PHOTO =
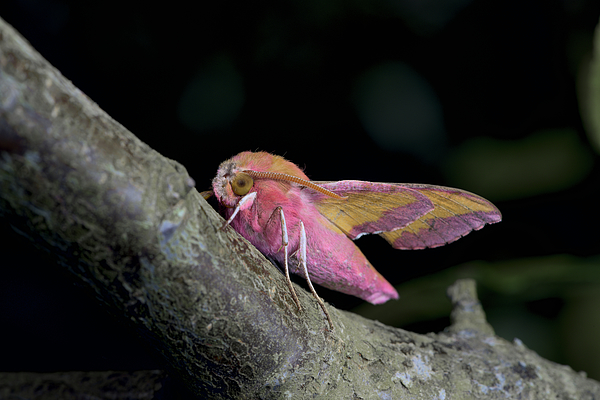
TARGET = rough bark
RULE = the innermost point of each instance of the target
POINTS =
(139, 385)
(130, 224)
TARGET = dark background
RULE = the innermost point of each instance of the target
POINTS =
(481, 95)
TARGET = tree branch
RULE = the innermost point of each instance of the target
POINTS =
(139, 385)
(130, 224)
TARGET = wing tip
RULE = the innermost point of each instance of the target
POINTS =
(382, 297)
(418, 241)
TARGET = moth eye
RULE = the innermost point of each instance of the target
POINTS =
(241, 184)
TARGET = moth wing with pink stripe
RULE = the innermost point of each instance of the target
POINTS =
(408, 216)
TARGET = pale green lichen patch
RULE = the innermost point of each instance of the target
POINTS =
(422, 367)
(403, 378)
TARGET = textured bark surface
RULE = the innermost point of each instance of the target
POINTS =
(130, 224)
(139, 385)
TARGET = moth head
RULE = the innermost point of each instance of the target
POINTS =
(230, 183)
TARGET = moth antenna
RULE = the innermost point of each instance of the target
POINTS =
(279, 176)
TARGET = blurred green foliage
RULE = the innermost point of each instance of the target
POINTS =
(543, 162)
(589, 93)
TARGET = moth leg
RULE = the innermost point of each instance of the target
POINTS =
(284, 244)
(301, 255)
(244, 203)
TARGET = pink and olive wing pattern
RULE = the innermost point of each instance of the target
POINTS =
(371, 207)
(455, 214)
(408, 216)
